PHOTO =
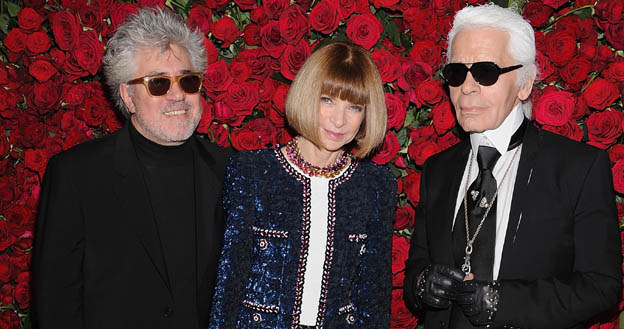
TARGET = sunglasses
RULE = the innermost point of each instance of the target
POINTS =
(484, 73)
(159, 85)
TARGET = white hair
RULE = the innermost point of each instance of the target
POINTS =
(521, 44)
(149, 28)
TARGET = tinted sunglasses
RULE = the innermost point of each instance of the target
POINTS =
(484, 73)
(159, 85)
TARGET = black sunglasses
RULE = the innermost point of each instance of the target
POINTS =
(484, 73)
(159, 85)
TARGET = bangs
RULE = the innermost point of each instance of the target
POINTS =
(346, 82)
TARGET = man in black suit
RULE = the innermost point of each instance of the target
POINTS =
(517, 227)
(129, 229)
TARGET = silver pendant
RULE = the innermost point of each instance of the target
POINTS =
(483, 203)
(474, 194)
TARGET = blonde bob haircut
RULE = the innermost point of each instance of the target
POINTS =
(345, 71)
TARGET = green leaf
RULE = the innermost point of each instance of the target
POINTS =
(402, 136)
(585, 13)
(4, 23)
(519, 4)
(13, 8)
(502, 3)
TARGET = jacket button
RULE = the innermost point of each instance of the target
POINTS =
(442, 324)
(256, 317)
(263, 244)
(167, 312)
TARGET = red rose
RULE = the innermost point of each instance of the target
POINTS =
(65, 28)
(6, 269)
(224, 114)
(536, 13)
(245, 139)
(325, 17)
(385, 3)
(400, 315)
(400, 251)
(554, 108)
(544, 66)
(258, 60)
(34, 134)
(217, 77)
(225, 29)
(240, 71)
(38, 42)
(387, 64)
(424, 24)
(618, 176)
(200, 17)
(6, 294)
(422, 151)
(560, 47)
(576, 71)
(611, 11)
(6, 238)
(22, 295)
(570, 129)
(268, 89)
(15, 41)
(279, 98)
(41, 70)
(615, 35)
(45, 96)
(603, 128)
(388, 150)
(272, 41)
(443, 118)
(75, 5)
(426, 51)
(414, 73)
(259, 15)
(346, 8)
(75, 137)
(264, 129)
(212, 54)
(601, 93)
(616, 153)
(207, 116)
(293, 25)
(121, 11)
(5, 147)
(91, 16)
(396, 109)
(219, 134)
(251, 34)
(273, 8)
(580, 108)
(411, 186)
(293, 58)
(243, 97)
(421, 134)
(447, 140)
(36, 160)
(364, 30)
(404, 218)
(429, 92)
(615, 72)
(29, 19)
(89, 51)
(95, 110)
(283, 136)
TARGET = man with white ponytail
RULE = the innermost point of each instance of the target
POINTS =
(517, 227)
(129, 228)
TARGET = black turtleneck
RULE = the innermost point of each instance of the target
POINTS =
(169, 176)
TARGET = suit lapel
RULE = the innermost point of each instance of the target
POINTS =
(530, 148)
(207, 206)
(135, 202)
(448, 193)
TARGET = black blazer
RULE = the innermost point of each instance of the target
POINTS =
(561, 261)
(97, 261)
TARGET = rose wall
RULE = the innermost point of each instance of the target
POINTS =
(52, 97)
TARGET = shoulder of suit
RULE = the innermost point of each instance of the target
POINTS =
(94, 150)
(219, 153)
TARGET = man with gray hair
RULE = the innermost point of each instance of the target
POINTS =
(528, 235)
(129, 228)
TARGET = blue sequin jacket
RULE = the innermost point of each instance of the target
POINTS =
(260, 275)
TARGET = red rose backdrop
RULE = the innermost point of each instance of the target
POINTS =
(52, 98)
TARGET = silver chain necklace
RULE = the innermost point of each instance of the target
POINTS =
(466, 268)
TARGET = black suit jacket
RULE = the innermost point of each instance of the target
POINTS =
(561, 260)
(98, 261)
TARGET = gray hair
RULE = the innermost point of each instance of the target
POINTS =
(147, 29)
(521, 45)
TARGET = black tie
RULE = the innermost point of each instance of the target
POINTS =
(480, 195)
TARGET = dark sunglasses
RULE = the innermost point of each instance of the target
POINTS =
(484, 73)
(159, 85)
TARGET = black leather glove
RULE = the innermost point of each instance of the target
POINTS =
(478, 300)
(437, 285)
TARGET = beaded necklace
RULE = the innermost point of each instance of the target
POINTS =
(294, 155)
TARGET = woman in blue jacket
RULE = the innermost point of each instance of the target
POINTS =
(309, 224)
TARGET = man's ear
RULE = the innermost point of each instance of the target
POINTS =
(124, 91)
(527, 86)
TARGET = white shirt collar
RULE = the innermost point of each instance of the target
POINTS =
(501, 136)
